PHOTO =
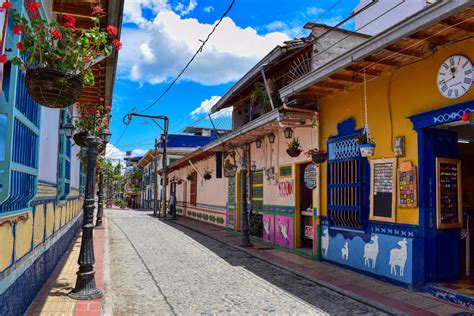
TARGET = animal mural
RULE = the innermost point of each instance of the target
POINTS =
(345, 251)
(325, 242)
(283, 229)
(268, 228)
(371, 251)
(398, 257)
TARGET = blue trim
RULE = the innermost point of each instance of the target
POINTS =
(450, 296)
(444, 115)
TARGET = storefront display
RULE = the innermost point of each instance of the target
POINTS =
(407, 185)
(383, 190)
(448, 193)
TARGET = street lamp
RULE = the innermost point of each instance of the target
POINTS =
(105, 136)
(288, 132)
(85, 288)
(244, 221)
(258, 143)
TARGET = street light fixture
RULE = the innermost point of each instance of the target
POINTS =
(288, 132)
(69, 129)
(258, 143)
(271, 138)
(105, 136)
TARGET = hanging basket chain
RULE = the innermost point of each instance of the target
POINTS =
(366, 130)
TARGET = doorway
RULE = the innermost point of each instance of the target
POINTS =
(305, 205)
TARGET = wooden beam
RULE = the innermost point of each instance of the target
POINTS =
(319, 91)
(434, 40)
(331, 85)
(361, 69)
(453, 23)
(76, 11)
(354, 78)
(403, 52)
(381, 61)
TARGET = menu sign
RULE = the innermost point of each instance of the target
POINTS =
(407, 185)
(383, 189)
(448, 193)
(311, 176)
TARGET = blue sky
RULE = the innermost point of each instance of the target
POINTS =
(160, 36)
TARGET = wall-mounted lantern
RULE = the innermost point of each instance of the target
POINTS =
(288, 133)
(271, 138)
(258, 143)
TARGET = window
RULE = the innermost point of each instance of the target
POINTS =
(193, 194)
(346, 178)
(64, 160)
(171, 160)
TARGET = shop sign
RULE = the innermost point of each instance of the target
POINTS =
(311, 176)
(308, 231)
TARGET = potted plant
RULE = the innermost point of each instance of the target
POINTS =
(229, 168)
(189, 177)
(207, 174)
(294, 148)
(92, 120)
(58, 57)
(366, 144)
(317, 156)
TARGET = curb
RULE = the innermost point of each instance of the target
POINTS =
(331, 287)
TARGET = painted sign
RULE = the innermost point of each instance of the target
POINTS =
(407, 186)
(285, 187)
(284, 231)
(311, 176)
(383, 189)
(448, 193)
(268, 227)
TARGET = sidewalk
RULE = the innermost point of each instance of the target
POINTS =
(53, 298)
(391, 298)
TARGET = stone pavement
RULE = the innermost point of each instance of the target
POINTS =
(159, 268)
(53, 298)
(394, 299)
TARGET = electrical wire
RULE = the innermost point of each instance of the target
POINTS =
(199, 50)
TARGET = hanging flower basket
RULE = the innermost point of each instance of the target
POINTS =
(189, 177)
(207, 176)
(367, 150)
(294, 148)
(319, 157)
(53, 88)
(80, 139)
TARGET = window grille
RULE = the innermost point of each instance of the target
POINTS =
(346, 183)
(64, 161)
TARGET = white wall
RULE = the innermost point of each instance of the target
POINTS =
(400, 12)
(48, 147)
(75, 166)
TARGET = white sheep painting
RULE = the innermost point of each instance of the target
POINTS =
(284, 232)
(325, 242)
(398, 257)
(345, 251)
(371, 251)
(266, 226)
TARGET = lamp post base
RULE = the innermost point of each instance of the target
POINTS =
(88, 291)
(245, 242)
(100, 226)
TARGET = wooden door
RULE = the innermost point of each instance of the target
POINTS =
(193, 193)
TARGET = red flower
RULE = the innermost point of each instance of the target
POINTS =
(20, 46)
(466, 117)
(102, 100)
(33, 6)
(3, 58)
(78, 104)
(108, 108)
(86, 58)
(70, 21)
(117, 44)
(6, 5)
(90, 110)
(16, 29)
(105, 121)
(56, 35)
(98, 10)
(112, 30)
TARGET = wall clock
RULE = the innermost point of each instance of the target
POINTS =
(455, 76)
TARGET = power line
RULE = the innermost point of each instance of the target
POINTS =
(199, 50)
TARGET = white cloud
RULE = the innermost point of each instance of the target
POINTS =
(158, 49)
(208, 9)
(184, 10)
(115, 154)
(206, 106)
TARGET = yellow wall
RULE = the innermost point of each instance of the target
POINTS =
(39, 225)
(6, 246)
(24, 234)
(413, 90)
(49, 219)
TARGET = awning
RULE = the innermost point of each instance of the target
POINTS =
(408, 41)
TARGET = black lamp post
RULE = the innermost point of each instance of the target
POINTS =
(244, 220)
(105, 136)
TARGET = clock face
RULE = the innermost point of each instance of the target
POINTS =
(455, 76)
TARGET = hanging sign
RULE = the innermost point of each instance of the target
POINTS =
(448, 193)
(407, 185)
(311, 176)
(383, 189)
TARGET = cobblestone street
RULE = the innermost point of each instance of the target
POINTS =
(161, 268)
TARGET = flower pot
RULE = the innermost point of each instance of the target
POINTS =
(319, 157)
(367, 150)
(207, 176)
(80, 139)
(189, 177)
(53, 88)
(293, 152)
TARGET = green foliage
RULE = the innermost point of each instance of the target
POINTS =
(364, 138)
(63, 46)
(260, 97)
(294, 144)
(220, 220)
(255, 224)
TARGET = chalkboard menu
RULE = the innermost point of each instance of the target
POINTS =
(407, 186)
(383, 189)
(448, 193)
